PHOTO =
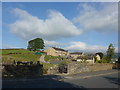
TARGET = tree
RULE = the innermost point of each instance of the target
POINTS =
(110, 52)
(36, 44)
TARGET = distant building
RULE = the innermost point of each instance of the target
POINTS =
(75, 55)
(56, 52)
(79, 59)
(90, 58)
(85, 58)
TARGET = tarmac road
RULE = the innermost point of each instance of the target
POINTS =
(99, 79)
(102, 79)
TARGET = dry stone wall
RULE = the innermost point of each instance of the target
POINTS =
(53, 70)
(77, 67)
(84, 67)
(22, 70)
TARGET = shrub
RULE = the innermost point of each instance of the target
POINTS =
(104, 61)
(98, 61)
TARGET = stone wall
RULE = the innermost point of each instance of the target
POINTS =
(98, 67)
(77, 67)
(53, 70)
(84, 67)
(22, 70)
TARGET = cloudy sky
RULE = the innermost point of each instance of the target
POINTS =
(86, 27)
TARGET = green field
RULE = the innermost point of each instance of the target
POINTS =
(22, 55)
(22, 51)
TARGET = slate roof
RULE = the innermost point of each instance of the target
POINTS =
(59, 49)
(79, 57)
(89, 57)
(78, 53)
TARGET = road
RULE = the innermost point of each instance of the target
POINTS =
(101, 79)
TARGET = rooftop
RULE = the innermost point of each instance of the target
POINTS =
(59, 49)
(78, 53)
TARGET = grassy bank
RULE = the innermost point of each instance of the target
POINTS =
(13, 51)
(48, 57)
(18, 55)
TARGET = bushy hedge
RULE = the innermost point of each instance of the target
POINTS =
(103, 60)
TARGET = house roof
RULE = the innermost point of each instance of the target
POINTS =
(89, 57)
(79, 57)
(78, 53)
(59, 49)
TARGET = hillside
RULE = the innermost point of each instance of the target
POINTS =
(15, 51)
(9, 55)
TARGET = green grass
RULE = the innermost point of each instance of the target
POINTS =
(48, 57)
(22, 51)
(20, 57)
(23, 55)
(0, 51)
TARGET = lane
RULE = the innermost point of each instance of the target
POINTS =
(101, 79)
(98, 81)
(92, 74)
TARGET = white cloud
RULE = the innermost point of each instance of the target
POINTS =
(102, 19)
(81, 46)
(53, 44)
(84, 47)
(76, 46)
(56, 26)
